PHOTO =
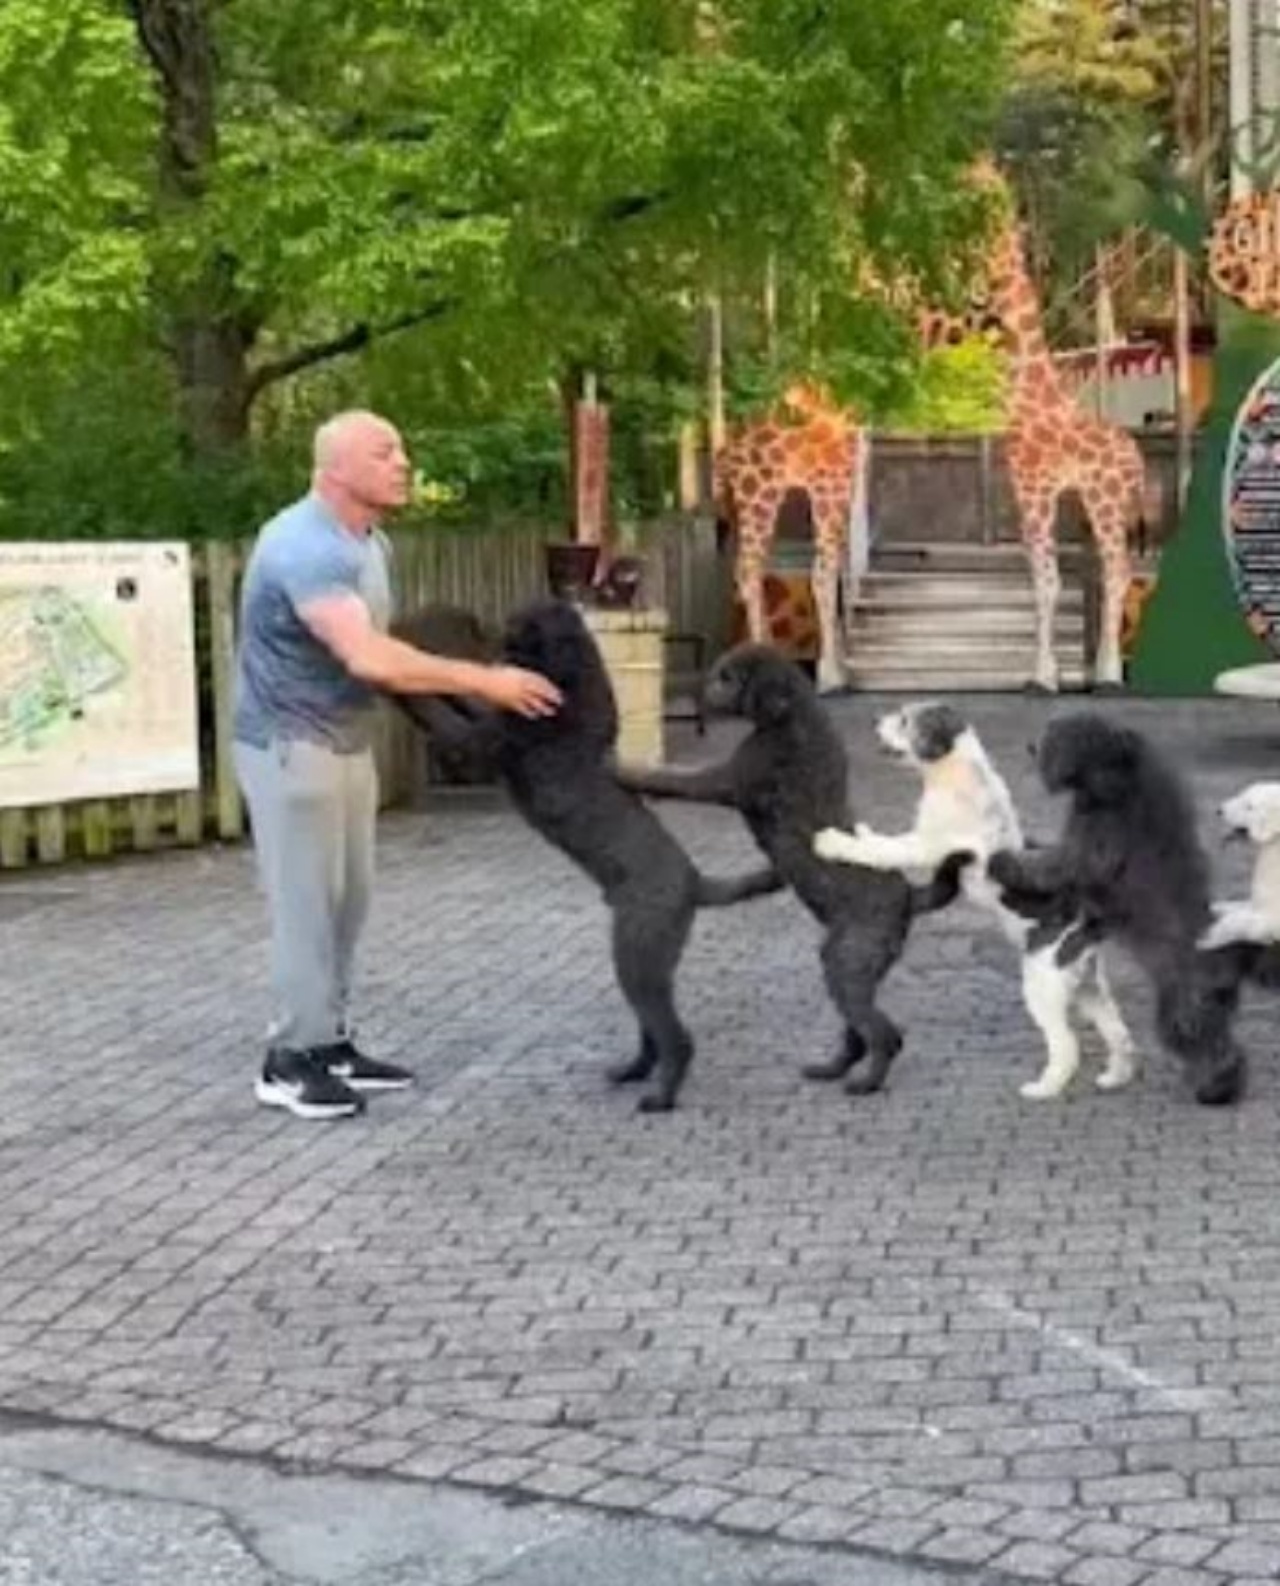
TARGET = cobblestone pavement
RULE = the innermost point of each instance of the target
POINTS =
(943, 1323)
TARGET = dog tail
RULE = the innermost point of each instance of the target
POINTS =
(944, 886)
(716, 893)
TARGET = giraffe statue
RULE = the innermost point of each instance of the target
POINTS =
(819, 453)
(1054, 446)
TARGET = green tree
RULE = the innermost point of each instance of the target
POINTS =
(472, 200)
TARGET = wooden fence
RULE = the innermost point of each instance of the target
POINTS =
(486, 570)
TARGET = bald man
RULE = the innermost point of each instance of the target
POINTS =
(312, 658)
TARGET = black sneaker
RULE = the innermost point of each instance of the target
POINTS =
(300, 1082)
(345, 1061)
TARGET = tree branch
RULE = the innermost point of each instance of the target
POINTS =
(307, 356)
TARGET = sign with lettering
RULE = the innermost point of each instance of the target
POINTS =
(1251, 507)
(97, 671)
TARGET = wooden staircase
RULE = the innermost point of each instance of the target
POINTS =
(958, 618)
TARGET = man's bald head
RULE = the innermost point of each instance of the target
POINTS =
(360, 466)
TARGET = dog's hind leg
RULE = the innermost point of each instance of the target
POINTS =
(1047, 990)
(640, 1066)
(884, 1042)
(1193, 1017)
(1098, 1005)
(853, 974)
(646, 951)
(852, 1051)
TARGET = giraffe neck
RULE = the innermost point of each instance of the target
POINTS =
(1034, 379)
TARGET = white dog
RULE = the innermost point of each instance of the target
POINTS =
(965, 804)
(1253, 813)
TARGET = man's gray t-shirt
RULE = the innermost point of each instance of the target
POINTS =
(289, 684)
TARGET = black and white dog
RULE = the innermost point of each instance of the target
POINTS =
(965, 804)
(1128, 861)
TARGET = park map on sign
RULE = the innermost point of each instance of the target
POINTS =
(55, 655)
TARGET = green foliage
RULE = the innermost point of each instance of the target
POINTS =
(1088, 104)
(960, 391)
(444, 209)
(76, 122)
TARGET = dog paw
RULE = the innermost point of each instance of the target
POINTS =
(837, 1068)
(1219, 934)
(863, 1085)
(830, 843)
(629, 1073)
(1223, 1088)
(1042, 1089)
(656, 1102)
(1117, 1075)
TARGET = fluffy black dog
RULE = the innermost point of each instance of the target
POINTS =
(788, 779)
(557, 772)
(1129, 863)
(457, 632)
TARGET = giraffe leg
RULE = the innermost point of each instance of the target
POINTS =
(1046, 583)
(756, 532)
(828, 530)
(1110, 536)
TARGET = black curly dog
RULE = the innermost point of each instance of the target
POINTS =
(788, 779)
(1129, 863)
(558, 774)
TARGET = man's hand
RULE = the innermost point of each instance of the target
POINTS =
(525, 693)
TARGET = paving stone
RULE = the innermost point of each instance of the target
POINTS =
(1035, 1560)
(1010, 1344)
(1248, 1558)
(957, 1545)
(691, 1502)
(1177, 1548)
(1173, 1576)
(1105, 1572)
(757, 1514)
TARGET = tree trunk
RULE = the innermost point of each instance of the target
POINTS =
(210, 336)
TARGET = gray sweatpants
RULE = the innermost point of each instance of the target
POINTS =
(313, 814)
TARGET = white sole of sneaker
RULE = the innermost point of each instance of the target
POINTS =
(371, 1084)
(276, 1096)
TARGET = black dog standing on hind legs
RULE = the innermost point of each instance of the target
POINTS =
(557, 771)
(789, 778)
(1130, 862)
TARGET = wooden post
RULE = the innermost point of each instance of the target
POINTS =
(687, 487)
(715, 419)
(220, 600)
(771, 307)
(96, 829)
(591, 473)
(13, 839)
(51, 834)
(1102, 327)
(715, 374)
(986, 514)
(1181, 377)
